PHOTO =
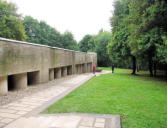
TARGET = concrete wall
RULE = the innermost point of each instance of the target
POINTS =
(39, 63)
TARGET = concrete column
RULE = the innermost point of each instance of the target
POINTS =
(44, 75)
(76, 69)
(79, 69)
(91, 67)
(64, 71)
(85, 67)
(58, 73)
(3, 85)
(88, 68)
(51, 74)
(20, 81)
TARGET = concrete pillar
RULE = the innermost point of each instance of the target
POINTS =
(44, 75)
(51, 74)
(85, 68)
(58, 73)
(20, 81)
(88, 68)
(3, 85)
(91, 67)
(64, 71)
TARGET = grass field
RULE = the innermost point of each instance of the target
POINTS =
(140, 100)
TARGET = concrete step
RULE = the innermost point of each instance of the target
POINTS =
(67, 121)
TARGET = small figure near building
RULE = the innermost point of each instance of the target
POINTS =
(94, 69)
(112, 67)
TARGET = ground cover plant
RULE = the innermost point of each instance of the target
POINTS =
(139, 99)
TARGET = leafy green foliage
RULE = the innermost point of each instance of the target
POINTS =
(139, 30)
(11, 25)
(32, 28)
(84, 43)
(42, 33)
(119, 49)
(68, 41)
(29, 29)
(97, 43)
(100, 42)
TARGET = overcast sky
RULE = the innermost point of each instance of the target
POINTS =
(80, 17)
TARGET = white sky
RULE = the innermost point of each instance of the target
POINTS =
(80, 17)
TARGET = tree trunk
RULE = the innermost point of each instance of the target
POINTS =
(150, 66)
(134, 65)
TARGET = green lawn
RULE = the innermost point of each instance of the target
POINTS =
(140, 100)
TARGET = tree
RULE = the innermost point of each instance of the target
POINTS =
(148, 31)
(119, 49)
(139, 30)
(11, 25)
(98, 43)
(68, 41)
(101, 42)
(33, 29)
(84, 43)
(41, 32)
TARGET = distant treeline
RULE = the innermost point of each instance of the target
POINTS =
(13, 26)
(97, 43)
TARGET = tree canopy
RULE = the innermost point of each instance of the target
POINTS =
(84, 43)
(97, 43)
(139, 30)
(42, 33)
(11, 24)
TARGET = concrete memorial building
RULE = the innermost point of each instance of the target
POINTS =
(23, 64)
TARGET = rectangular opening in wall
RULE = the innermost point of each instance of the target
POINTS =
(33, 77)
(10, 83)
(83, 68)
(62, 72)
(55, 73)
(69, 70)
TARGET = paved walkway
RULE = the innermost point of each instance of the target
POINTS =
(68, 121)
(22, 113)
